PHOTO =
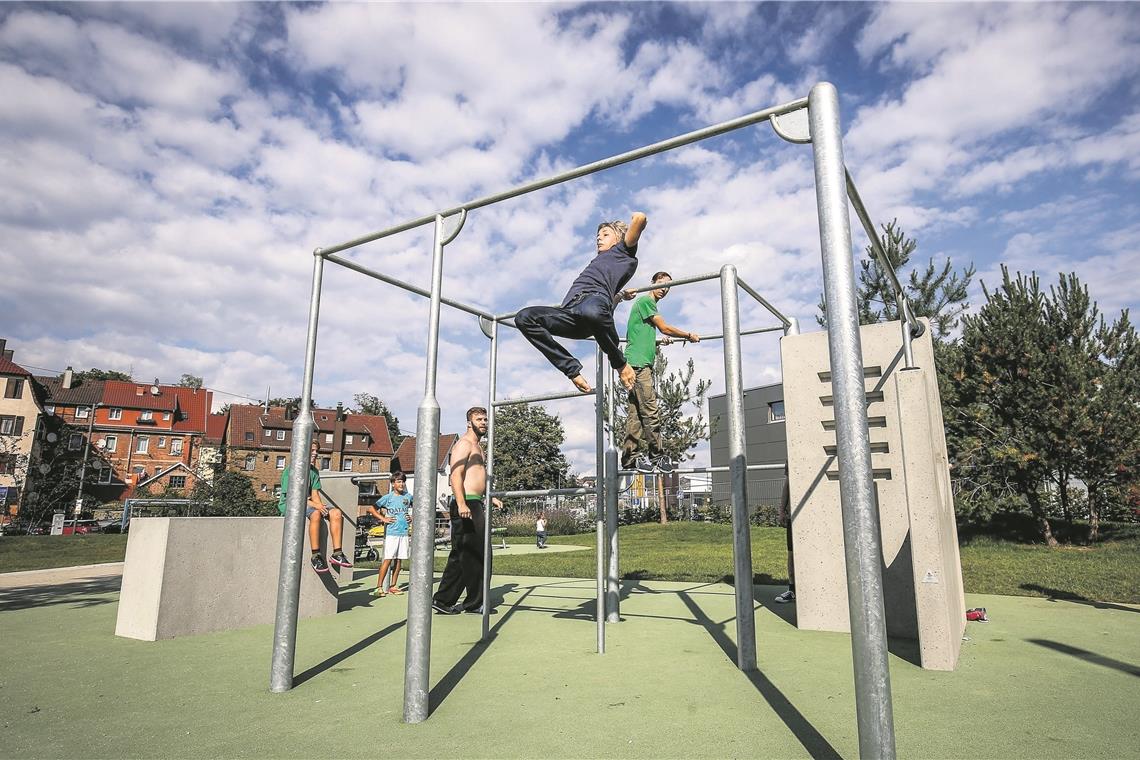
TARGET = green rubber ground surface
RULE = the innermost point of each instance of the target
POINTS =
(1044, 679)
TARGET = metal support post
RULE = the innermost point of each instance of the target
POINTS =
(417, 650)
(293, 534)
(860, 527)
(613, 577)
(491, 380)
(738, 463)
(599, 505)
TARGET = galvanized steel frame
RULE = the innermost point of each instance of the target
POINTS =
(834, 187)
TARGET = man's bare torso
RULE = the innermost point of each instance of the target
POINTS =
(469, 452)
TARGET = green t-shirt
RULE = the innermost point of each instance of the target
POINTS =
(640, 334)
(314, 484)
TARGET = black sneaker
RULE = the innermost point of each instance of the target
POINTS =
(663, 464)
(442, 610)
(787, 596)
(338, 559)
(644, 465)
(319, 564)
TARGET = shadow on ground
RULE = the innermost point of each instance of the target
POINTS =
(88, 592)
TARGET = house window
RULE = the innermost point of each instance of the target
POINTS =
(105, 476)
(328, 437)
(276, 492)
(375, 465)
(7, 464)
(75, 442)
(776, 411)
(325, 463)
(280, 463)
(162, 441)
(166, 416)
(143, 444)
(14, 389)
(115, 414)
(140, 472)
(264, 488)
(175, 445)
(347, 466)
(146, 415)
(82, 412)
(249, 435)
(177, 481)
(348, 440)
(250, 463)
(110, 443)
(49, 409)
(281, 435)
(11, 425)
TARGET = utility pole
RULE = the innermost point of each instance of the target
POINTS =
(83, 467)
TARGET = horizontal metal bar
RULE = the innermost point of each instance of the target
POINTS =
(694, 470)
(719, 336)
(763, 302)
(544, 397)
(591, 168)
(885, 263)
(547, 492)
(334, 474)
(348, 264)
(672, 284)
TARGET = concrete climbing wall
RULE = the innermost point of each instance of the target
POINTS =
(922, 575)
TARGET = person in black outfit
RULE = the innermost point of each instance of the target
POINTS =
(464, 569)
(587, 311)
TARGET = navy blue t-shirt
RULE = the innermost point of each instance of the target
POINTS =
(610, 270)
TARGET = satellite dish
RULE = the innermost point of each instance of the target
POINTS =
(45, 468)
(101, 443)
(52, 437)
(154, 390)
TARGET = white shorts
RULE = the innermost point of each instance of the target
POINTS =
(395, 547)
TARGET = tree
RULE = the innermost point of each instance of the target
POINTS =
(679, 432)
(190, 381)
(366, 403)
(528, 449)
(938, 293)
(100, 374)
(231, 494)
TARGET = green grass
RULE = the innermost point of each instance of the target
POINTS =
(702, 552)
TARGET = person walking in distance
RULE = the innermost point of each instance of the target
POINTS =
(468, 513)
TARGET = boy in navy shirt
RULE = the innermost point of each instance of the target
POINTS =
(587, 311)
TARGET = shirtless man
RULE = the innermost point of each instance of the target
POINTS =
(464, 570)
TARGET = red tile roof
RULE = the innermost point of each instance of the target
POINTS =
(216, 425)
(9, 367)
(192, 404)
(405, 458)
(87, 393)
(254, 419)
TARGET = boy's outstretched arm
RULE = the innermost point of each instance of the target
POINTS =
(673, 332)
(636, 226)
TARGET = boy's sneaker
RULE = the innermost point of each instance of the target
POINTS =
(339, 560)
(445, 610)
(643, 464)
(663, 464)
(319, 564)
(787, 596)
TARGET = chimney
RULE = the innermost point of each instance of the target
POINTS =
(4, 350)
(339, 411)
(68, 377)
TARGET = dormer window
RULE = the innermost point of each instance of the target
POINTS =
(348, 440)
(146, 415)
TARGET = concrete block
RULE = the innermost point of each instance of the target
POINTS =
(191, 575)
(912, 489)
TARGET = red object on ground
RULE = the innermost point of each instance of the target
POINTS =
(978, 614)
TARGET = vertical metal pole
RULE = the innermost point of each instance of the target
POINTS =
(613, 578)
(293, 533)
(494, 363)
(738, 473)
(599, 507)
(417, 649)
(860, 528)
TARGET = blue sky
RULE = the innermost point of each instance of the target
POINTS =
(168, 169)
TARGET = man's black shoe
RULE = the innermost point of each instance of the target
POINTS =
(445, 610)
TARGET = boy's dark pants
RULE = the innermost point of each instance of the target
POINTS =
(464, 570)
(589, 315)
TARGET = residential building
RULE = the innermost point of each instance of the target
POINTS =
(19, 417)
(67, 424)
(259, 441)
(765, 443)
(212, 454)
(405, 462)
(144, 431)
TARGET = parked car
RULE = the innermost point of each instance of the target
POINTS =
(112, 526)
(80, 527)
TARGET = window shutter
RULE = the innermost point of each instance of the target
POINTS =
(19, 426)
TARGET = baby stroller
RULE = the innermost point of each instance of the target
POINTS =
(369, 534)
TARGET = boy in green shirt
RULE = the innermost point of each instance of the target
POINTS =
(642, 425)
(315, 509)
